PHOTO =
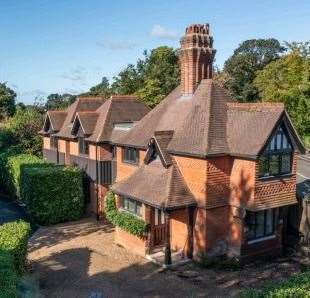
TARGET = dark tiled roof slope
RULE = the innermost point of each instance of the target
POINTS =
(208, 123)
(168, 188)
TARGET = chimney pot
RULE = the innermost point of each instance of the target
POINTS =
(196, 57)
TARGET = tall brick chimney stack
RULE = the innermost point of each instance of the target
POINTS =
(196, 57)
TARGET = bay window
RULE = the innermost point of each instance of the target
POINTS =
(260, 224)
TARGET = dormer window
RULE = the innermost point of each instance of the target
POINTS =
(130, 155)
(277, 158)
(83, 146)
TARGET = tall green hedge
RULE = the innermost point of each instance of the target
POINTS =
(8, 276)
(52, 194)
(13, 238)
(13, 250)
(124, 220)
(11, 165)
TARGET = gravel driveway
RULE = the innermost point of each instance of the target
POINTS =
(79, 259)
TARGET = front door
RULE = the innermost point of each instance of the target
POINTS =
(159, 227)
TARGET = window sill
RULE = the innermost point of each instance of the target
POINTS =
(127, 211)
(262, 239)
(267, 178)
(131, 163)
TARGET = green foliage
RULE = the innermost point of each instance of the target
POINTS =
(8, 276)
(12, 168)
(152, 78)
(13, 239)
(52, 194)
(102, 89)
(124, 220)
(7, 101)
(239, 70)
(307, 141)
(287, 80)
(21, 131)
(297, 286)
(57, 101)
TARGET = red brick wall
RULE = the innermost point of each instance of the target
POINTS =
(46, 143)
(178, 228)
(124, 170)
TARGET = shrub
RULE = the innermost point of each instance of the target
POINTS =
(125, 221)
(3, 167)
(297, 286)
(13, 239)
(52, 194)
(8, 276)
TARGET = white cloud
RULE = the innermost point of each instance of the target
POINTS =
(162, 32)
(116, 45)
(76, 75)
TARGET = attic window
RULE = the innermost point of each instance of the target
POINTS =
(277, 158)
(123, 126)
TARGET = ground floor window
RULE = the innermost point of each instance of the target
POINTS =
(131, 206)
(260, 224)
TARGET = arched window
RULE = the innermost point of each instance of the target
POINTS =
(277, 158)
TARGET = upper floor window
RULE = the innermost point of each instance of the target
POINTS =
(54, 142)
(83, 146)
(277, 158)
(131, 206)
(260, 224)
(130, 155)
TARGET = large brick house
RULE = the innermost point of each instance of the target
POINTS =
(83, 135)
(209, 175)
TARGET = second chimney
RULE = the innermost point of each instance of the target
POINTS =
(196, 57)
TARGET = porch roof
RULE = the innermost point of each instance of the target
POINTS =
(155, 185)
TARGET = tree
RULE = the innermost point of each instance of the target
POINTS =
(7, 101)
(102, 89)
(57, 101)
(251, 56)
(21, 131)
(151, 78)
(287, 80)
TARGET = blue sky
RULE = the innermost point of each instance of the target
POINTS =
(61, 46)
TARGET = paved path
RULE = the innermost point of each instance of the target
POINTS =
(79, 259)
(9, 210)
(303, 168)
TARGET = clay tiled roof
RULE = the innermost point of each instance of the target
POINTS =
(117, 109)
(87, 121)
(82, 104)
(98, 116)
(166, 187)
(208, 123)
(55, 119)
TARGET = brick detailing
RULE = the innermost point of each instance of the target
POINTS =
(196, 57)
(104, 152)
(275, 193)
(218, 181)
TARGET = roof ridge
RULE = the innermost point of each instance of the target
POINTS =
(108, 114)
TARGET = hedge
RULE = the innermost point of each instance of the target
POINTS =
(11, 165)
(52, 194)
(297, 286)
(8, 276)
(13, 239)
(124, 220)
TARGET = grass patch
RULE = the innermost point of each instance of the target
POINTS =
(297, 286)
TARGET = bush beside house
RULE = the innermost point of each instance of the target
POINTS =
(124, 220)
(13, 249)
(11, 165)
(52, 194)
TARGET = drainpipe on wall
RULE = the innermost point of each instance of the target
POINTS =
(97, 193)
